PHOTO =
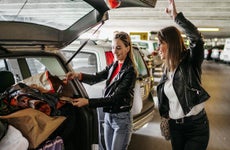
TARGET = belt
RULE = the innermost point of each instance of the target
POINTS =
(190, 118)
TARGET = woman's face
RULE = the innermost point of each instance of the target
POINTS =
(120, 51)
(163, 49)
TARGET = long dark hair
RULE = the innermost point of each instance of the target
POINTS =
(176, 46)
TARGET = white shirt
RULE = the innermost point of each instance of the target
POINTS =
(175, 109)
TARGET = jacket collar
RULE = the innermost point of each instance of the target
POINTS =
(127, 63)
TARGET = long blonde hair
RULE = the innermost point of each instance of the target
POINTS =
(125, 38)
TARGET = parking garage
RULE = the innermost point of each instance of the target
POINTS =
(142, 23)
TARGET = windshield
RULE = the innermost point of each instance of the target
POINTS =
(59, 14)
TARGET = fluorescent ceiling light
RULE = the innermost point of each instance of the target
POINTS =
(209, 29)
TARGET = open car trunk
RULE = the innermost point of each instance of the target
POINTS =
(21, 29)
(79, 129)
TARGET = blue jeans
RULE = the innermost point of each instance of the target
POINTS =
(117, 130)
(101, 117)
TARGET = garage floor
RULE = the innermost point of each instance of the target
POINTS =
(216, 79)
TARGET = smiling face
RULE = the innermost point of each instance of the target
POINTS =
(163, 49)
(171, 46)
(121, 46)
(120, 51)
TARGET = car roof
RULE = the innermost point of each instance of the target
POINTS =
(20, 28)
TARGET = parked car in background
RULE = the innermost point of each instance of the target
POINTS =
(93, 58)
(213, 52)
(216, 51)
(207, 54)
(225, 54)
(149, 48)
(29, 47)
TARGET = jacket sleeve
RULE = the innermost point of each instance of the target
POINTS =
(121, 93)
(95, 78)
(196, 43)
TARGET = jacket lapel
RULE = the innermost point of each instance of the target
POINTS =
(111, 72)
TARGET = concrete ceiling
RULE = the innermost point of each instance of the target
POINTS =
(203, 13)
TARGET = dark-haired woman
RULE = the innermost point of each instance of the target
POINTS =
(180, 94)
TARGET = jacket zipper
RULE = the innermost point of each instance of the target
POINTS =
(194, 90)
(186, 86)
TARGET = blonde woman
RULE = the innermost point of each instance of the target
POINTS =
(118, 96)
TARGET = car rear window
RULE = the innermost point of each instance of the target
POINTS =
(35, 66)
(83, 62)
(45, 12)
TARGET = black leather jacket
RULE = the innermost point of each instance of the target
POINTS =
(187, 77)
(118, 95)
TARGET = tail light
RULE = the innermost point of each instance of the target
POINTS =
(113, 3)
(109, 57)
